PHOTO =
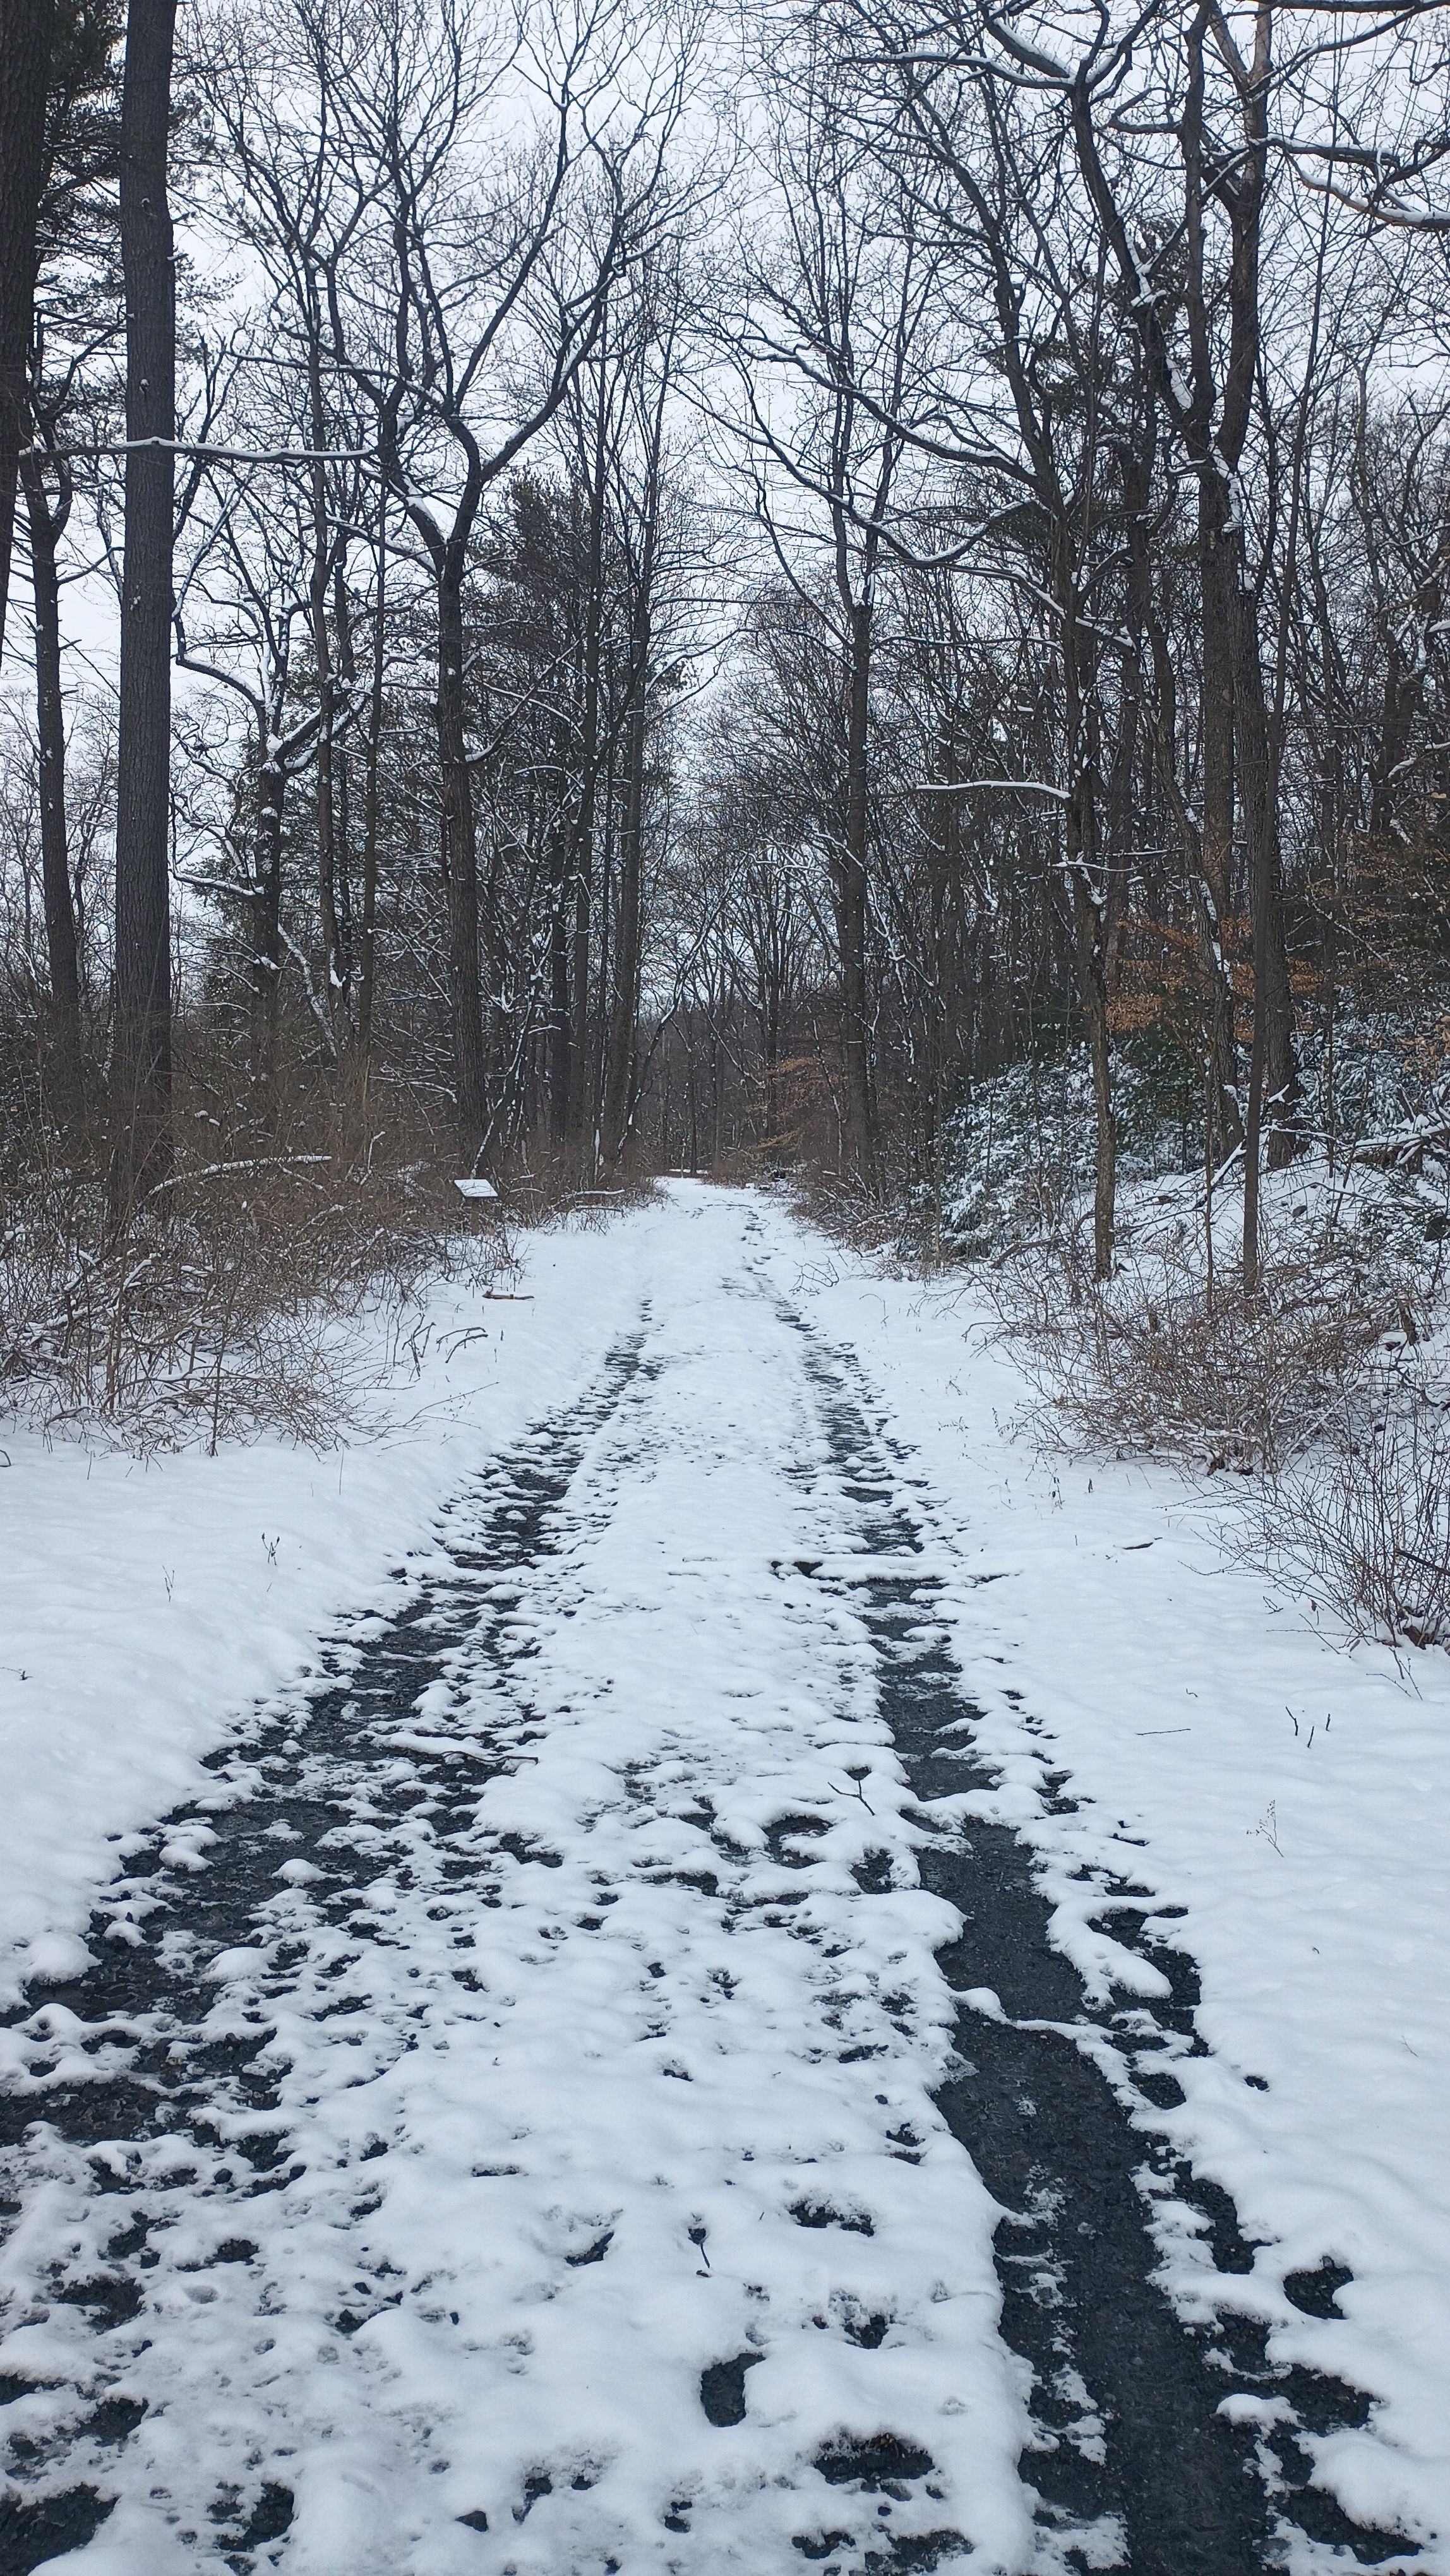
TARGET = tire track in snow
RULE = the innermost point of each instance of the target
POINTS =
(143, 2117)
(1050, 2097)
(498, 2135)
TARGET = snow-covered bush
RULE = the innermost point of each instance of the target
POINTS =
(1327, 1390)
(1017, 1156)
(1018, 1152)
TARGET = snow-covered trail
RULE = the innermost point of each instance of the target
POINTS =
(520, 2123)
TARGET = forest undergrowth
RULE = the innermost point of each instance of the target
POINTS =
(273, 1282)
(1310, 1410)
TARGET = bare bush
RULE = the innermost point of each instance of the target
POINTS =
(1150, 1363)
(1325, 1390)
(1364, 1530)
(231, 1301)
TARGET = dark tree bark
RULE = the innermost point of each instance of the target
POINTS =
(47, 526)
(320, 584)
(619, 1065)
(265, 926)
(460, 862)
(1230, 608)
(1273, 1074)
(578, 1122)
(141, 1054)
(26, 30)
(560, 1015)
(368, 925)
(851, 871)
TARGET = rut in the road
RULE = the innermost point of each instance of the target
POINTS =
(1126, 2396)
(121, 2071)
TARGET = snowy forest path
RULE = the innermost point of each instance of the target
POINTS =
(523, 2123)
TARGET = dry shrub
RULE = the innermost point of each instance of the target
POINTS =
(1364, 1530)
(1321, 1390)
(845, 1207)
(541, 1186)
(1147, 1364)
(870, 1213)
(253, 1292)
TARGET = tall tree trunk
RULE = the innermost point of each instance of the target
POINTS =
(1087, 923)
(624, 1010)
(319, 584)
(342, 892)
(26, 31)
(368, 927)
(141, 1053)
(460, 866)
(1082, 863)
(1274, 1090)
(1216, 704)
(578, 1120)
(335, 671)
(560, 1015)
(1239, 769)
(578, 1113)
(46, 528)
(1211, 860)
(1258, 804)
(266, 923)
(1224, 1124)
(851, 885)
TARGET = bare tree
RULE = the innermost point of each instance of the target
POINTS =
(26, 31)
(141, 1048)
(443, 315)
(835, 311)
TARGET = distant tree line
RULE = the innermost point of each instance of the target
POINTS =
(686, 587)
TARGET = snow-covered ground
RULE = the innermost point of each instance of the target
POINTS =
(144, 1603)
(662, 2117)
(1293, 1800)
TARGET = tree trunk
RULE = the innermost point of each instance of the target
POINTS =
(318, 586)
(342, 801)
(1080, 854)
(578, 1122)
(327, 914)
(1216, 710)
(578, 1114)
(1239, 769)
(1258, 805)
(851, 884)
(26, 31)
(560, 1015)
(460, 867)
(624, 1012)
(1093, 983)
(62, 956)
(1221, 1101)
(368, 927)
(266, 928)
(141, 1054)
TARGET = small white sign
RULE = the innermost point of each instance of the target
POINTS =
(476, 1189)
